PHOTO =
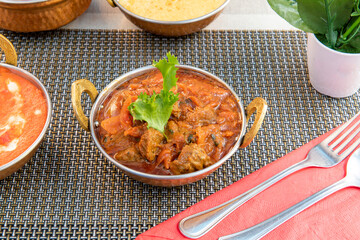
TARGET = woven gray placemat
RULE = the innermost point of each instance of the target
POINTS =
(69, 191)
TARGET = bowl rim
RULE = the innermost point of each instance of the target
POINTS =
(130, 75)
(35, 81)
(24, 2)
(187, 21)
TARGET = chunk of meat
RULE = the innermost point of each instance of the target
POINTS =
(188, 104)
(178, 134)
(118, 142)
(191, 159)
(172, 127)
(211, 140)
(130, 154)
(202, 116)
(150, 144)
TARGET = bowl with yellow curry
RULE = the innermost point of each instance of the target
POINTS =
(170, 17)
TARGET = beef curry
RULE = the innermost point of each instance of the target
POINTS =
(204, 124)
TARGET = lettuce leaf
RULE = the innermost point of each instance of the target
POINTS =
(156, 109)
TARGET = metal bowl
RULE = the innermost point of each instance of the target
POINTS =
(39, 15)
(170, 28)
(90, 124)
(12, 166)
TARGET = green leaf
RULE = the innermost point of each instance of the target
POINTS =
(350, 31)
(347, 48)
(156, 109)
(168, 70)
(355, 43)
(288, 10)
(356, 9)
(325, 16)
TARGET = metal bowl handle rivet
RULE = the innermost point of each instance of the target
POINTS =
(77, 88)
(260, 106)
(9, 50)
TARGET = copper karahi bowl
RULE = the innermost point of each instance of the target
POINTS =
(39, 15)
(90, 124)
(11, 61)
(170, 28)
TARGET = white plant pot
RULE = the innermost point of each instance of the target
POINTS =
(332, 73)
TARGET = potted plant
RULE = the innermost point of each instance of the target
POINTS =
(333, 49)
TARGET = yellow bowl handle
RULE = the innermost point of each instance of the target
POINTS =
(260, 106)
(77, 88)
(111, 2)
(9, 50)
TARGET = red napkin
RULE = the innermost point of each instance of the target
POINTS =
(335, 217)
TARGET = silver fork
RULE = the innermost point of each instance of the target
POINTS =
(352, 179)
(326, 154)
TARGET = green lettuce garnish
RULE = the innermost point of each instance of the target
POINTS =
(156, 109)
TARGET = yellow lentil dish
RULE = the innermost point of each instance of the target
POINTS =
(171, 10)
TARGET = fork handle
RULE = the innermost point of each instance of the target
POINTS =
(197, 225)
(260, 230)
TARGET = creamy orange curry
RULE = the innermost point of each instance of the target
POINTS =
(204, 124)
(23, 114)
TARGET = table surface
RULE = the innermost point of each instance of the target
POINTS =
(70, 191)
(238, 14)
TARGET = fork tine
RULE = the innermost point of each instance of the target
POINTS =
(336, 133)
(351, 148)
(349, 139)
(345, 134)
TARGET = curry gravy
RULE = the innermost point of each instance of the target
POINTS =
(23, 114)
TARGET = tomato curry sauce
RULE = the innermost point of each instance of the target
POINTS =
(23, 114)
(204, 125)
